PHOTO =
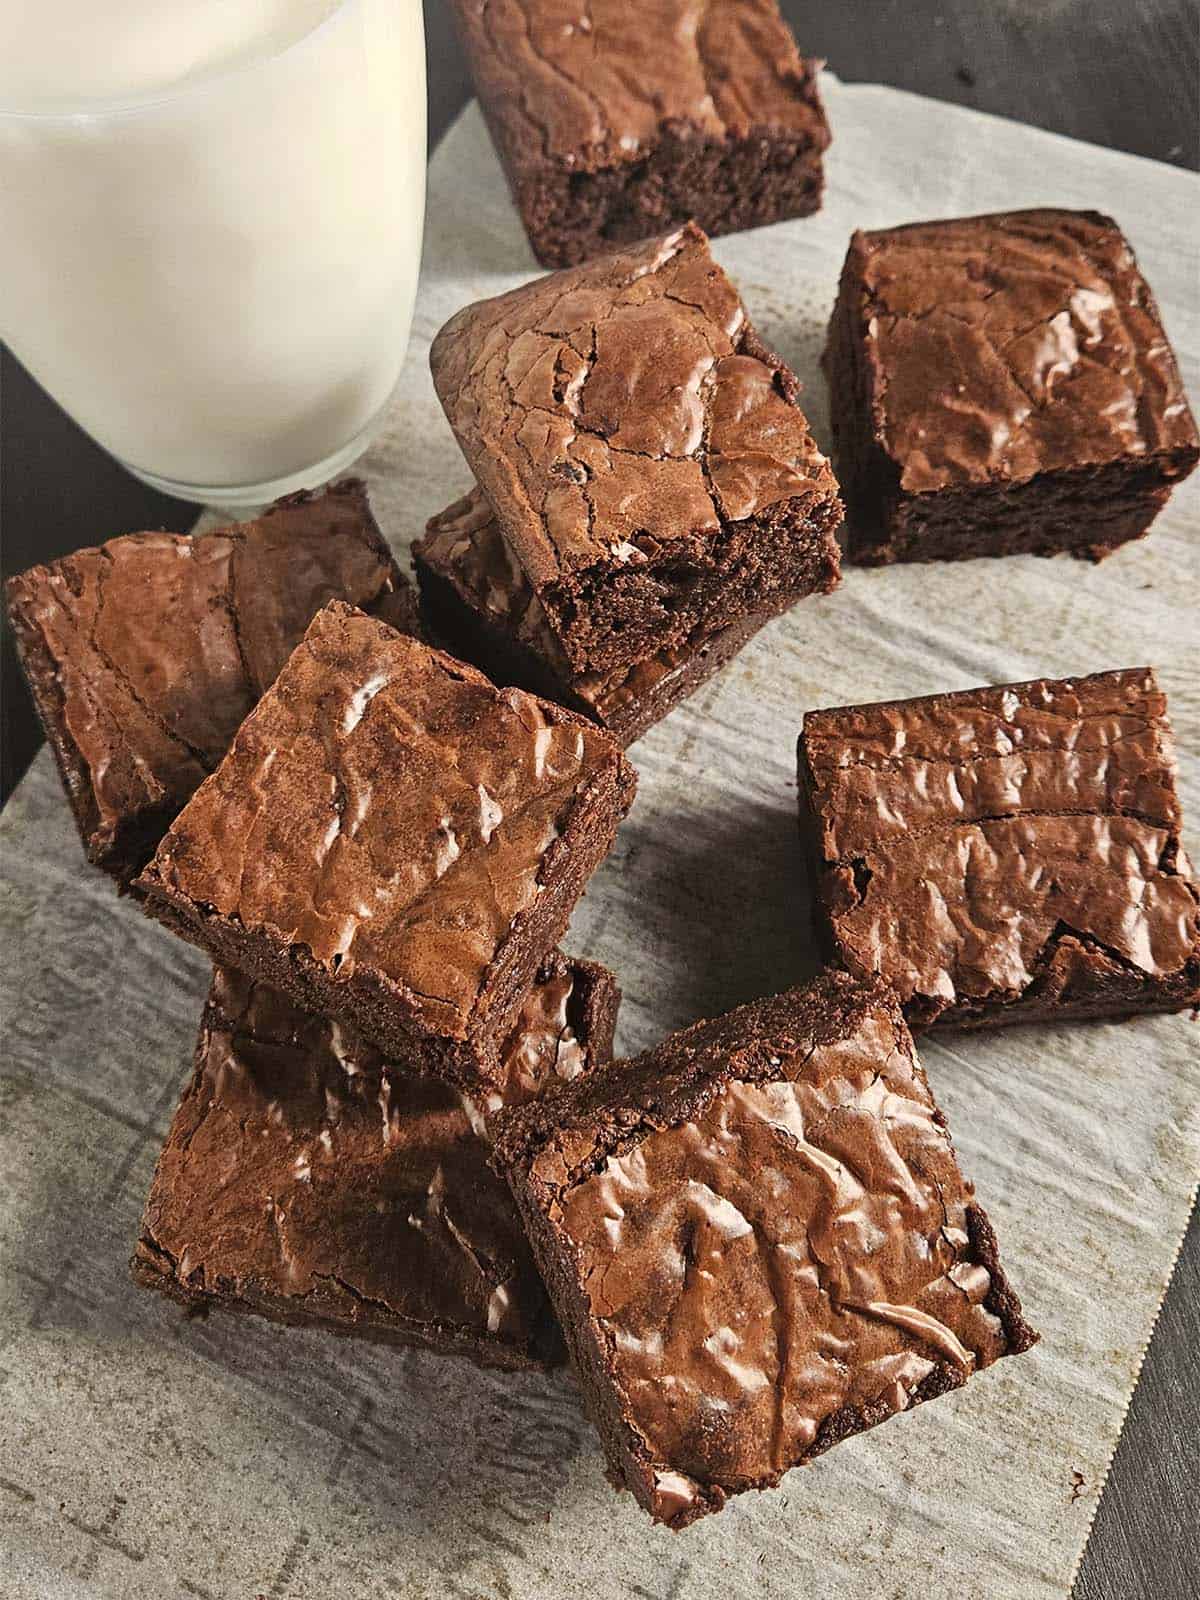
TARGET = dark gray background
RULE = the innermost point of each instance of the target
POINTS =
(1119, 74)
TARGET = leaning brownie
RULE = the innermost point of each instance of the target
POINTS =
(1008, 854)
(758, 1242)
(481, 606)
(394, 842)
(999, 385)
(145, 653)
(642, 452)
(308, 1180)
(620, 120)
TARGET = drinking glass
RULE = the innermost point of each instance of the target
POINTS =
(217, 280)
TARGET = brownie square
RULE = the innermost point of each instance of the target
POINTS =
(1006, 855)
(310, 1181)
(1002, 385)
(479, 603)
(759, 1242)
(144, 654)
(642, 452)
(394, 842)
(614, 121)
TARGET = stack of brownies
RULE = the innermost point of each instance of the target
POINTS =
(648, 493)
(404, 1121)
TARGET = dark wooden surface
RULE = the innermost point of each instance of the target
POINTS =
(1114, 73)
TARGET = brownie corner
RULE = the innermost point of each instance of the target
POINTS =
(1002, 1299)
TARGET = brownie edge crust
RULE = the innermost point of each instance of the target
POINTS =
(758, 1242)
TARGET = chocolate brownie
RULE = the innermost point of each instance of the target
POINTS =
(480, 605)
(999, 385)
(758, 1242)
(642, 452)
(394, 842)
(613, 121)
(1008, 854)
(308, 1180)
(145, 653)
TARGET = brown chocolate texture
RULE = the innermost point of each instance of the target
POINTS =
(1006, 854)
(759, 1241)
(614, 121)
(394, 842)
(483, 608)
(975, 357)
(309, 1180)
(642, 452)
(144, 654)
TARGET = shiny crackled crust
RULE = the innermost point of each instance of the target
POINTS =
(310, 1181)
(758, 1242)
(482, 608)
(971, 358)
(1006, 854)
(641, 450)
(144, 654)
(394, 842)
(614, 121)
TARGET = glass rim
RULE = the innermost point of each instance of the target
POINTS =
(99, 110)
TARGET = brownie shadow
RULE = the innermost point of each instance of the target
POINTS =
(720, 893)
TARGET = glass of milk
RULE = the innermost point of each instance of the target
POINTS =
(210, 227)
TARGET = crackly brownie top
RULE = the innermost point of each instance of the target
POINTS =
(161, 643)
(1004, 346)
(965, 834)
(387, 807)
(770, 1226)
(592, 83)
(301, 1164)
(610, 409)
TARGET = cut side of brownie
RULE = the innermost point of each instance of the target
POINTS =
(144, 654)
(1006, 855)
(1002, 385)
(626, 120)
(758, 1242)
(642, 452)
(310, 1181)
(481, 606)
(394, 842)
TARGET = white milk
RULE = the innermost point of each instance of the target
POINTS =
(210, 224)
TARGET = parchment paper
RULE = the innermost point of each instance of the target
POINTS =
(142, 1455)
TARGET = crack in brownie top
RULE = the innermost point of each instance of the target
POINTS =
(614, 409)
(386, 807)
(972, 843)
(161, 643)
(1000, 347)
(592, 83)
(303, 1165)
